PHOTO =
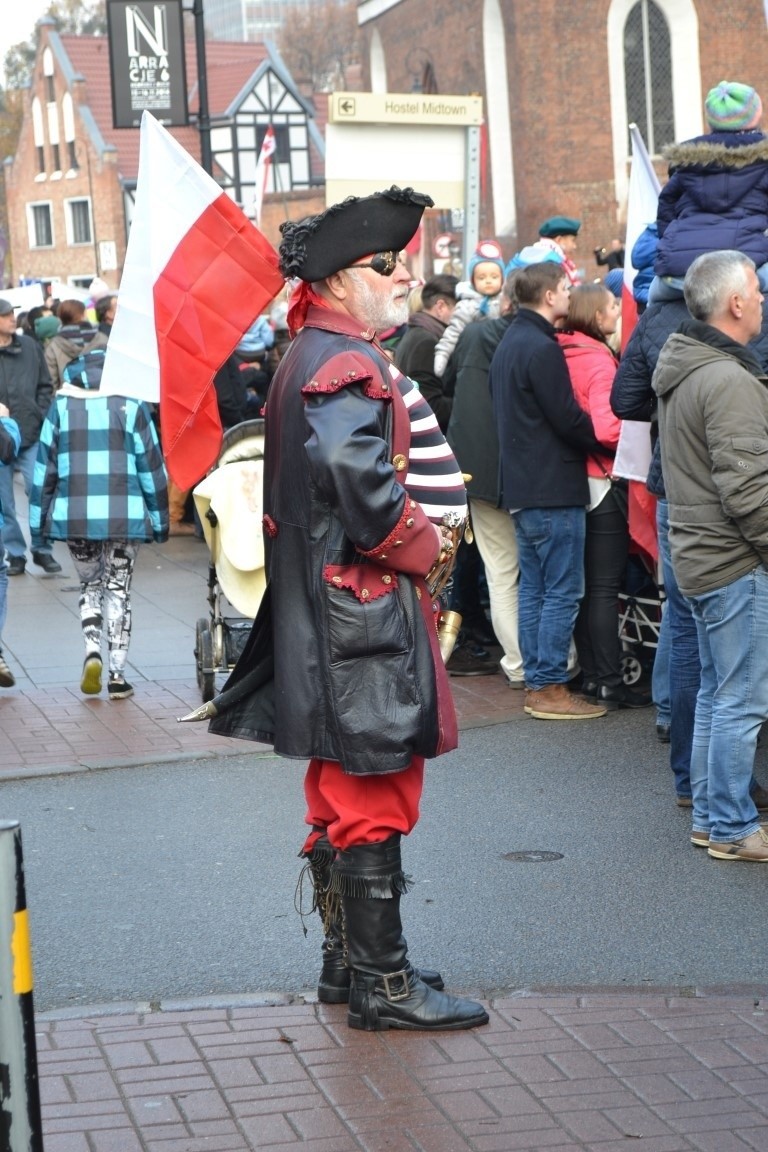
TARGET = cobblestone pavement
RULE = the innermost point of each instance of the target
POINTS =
(559, 1072)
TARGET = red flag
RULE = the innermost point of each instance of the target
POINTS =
(642, 522)
(197, 274)
(642, 203)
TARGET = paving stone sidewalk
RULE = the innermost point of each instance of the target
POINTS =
(592, 1071)
(47, 725)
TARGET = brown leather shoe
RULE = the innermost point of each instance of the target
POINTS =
(699, 839)
(754, 847)
(555, 702)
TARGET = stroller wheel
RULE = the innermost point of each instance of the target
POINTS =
(206, 678)
(631, 669)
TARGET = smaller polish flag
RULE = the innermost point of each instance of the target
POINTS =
(642, 205)
(197, 274)
(263, 163)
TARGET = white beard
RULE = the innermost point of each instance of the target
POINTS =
(378, 310)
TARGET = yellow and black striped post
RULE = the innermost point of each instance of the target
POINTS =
(21, 1127)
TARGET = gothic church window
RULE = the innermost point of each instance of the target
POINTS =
(648, 74)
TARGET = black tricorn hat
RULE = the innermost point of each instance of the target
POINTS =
(318, 246)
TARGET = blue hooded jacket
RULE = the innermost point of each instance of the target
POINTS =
(10, 442)
(716, 197)
(643, 255)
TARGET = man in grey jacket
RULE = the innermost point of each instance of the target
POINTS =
(713, 429)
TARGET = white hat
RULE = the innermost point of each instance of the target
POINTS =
(98, 289)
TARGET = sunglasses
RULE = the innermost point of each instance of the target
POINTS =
(383, 262)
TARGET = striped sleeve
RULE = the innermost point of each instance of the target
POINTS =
(434, 477)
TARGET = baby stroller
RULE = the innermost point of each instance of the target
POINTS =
(640, 608)
(229, 504)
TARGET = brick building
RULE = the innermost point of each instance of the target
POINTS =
(561, 83)
(70, 185)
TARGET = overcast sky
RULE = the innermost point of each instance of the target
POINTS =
(18, 21)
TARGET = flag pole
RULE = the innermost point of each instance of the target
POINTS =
(203, 115)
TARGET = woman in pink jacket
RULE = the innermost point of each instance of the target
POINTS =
(592, 317)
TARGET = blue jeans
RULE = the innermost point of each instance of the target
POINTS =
(11, 533)
(3, 597)
(550, 544)
(684, 663)
(732, 623)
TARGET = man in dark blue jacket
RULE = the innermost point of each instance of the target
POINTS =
(544, 438)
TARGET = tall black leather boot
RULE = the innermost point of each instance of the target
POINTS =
(386, 991)
(334, 982)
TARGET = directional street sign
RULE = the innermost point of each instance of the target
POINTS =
(405, 108)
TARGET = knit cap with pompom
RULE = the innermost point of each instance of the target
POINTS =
(733, 107)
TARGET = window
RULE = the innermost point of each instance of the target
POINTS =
(40, 225)
(56, 157)
(648, 74)
(79, 229)
(38, 130)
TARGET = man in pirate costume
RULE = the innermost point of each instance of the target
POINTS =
(342, 665)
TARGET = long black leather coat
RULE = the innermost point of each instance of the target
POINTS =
(344, 649)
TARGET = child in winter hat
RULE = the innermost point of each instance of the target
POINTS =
(477, 298)
(716, 196)
(733, 107)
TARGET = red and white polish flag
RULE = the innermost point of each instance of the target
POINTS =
(263, 164)
(642, 204)
(197, 274)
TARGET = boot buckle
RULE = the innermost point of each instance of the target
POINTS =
(397, 985)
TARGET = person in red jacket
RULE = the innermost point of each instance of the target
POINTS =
(593, 313)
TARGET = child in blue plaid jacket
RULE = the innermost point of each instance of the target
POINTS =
(100, 484)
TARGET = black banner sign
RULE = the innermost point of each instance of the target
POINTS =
(146, 53)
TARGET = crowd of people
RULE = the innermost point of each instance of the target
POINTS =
(451, 448)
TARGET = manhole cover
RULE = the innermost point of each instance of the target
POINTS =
(532, 856)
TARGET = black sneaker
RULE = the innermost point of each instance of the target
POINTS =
(16, 565)
(46, 561)
(7, 678)
(118, 688)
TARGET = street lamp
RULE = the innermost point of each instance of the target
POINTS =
(72, 174)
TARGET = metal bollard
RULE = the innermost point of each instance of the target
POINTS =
(21, 1128)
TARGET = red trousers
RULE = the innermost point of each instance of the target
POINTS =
(361, 809)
